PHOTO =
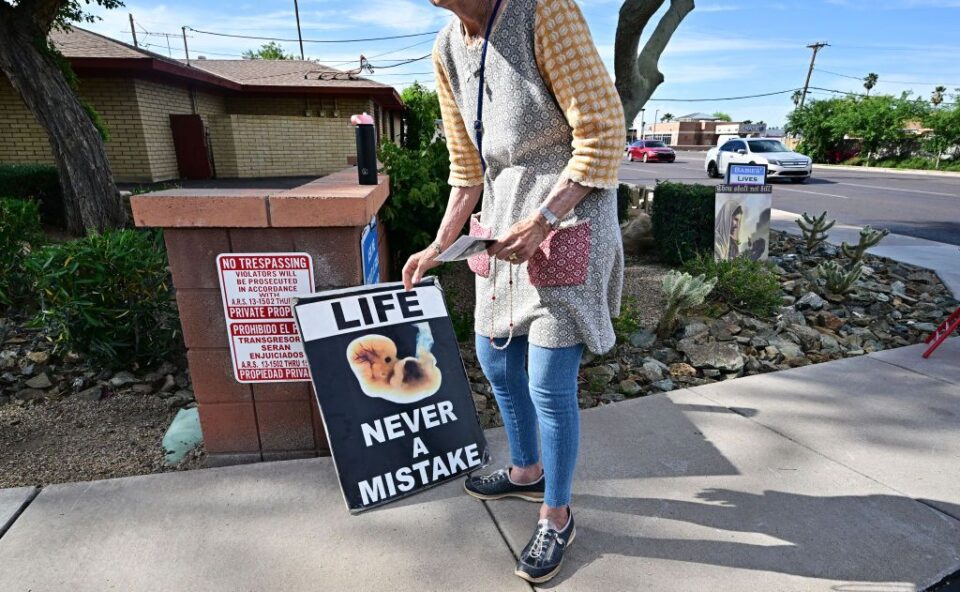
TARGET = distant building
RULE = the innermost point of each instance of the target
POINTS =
(225, 118)
(699, 130)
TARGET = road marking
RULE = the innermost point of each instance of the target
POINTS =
(898, 189)
(812, 192)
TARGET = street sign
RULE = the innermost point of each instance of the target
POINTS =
(393, 394)
(257, 287)
(746, 174)
(370, 249)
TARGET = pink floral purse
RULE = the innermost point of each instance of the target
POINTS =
(563, 258)
(479, 263)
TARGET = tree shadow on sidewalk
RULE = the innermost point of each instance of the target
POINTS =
(859, 539)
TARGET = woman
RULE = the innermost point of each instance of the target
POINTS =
(542, 144)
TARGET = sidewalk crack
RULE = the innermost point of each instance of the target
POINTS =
(503, 536)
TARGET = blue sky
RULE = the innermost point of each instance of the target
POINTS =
(723, 48)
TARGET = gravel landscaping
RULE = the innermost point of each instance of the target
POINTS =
(61, 420)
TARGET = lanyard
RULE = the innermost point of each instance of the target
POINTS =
(478, 122)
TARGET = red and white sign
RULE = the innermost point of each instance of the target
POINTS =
(257, 287)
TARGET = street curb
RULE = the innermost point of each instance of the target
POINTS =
(920, 172)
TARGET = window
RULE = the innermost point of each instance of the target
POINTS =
(728, 147)
(655, 144)
(768, 146)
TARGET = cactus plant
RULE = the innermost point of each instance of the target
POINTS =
(868, 238)
(838, 279)
(681, 291)
(814, 229)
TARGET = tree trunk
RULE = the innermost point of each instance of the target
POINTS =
(637, 73)
(90, 198)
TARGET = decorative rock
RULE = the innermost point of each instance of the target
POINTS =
(791, 316)
(694, 328)
(653, 370)
(722, 356)
(479, 401)
(612, 397)
(681, 369)
(29, 394)
(664, 385)
(599, 375)
(94, 393)
(829, 320)
(810, 301)
(922, 327)
(41, 381)
(142, 389)
(643, 338)
(123, 378)
(169, 384)
(8, 359)
(898, 288)
(38, 357)
(789, 349)
(629, 387)
(181, 398)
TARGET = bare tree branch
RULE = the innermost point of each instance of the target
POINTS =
(638, 74)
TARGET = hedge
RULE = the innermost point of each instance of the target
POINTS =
(682, 218)
(20, 233)
(39, 182)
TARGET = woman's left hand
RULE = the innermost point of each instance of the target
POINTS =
(520, 242)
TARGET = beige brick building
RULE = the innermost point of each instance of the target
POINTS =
(231, 118)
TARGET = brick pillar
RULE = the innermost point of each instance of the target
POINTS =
(244, 422)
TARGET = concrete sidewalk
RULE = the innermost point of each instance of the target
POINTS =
(839, 476)
(941, 258)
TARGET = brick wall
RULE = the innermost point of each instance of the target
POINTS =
(272, 146)
(23, 141)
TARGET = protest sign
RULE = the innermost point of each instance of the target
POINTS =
(742, 224)
(392, 389)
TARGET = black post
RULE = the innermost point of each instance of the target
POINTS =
(366, 154)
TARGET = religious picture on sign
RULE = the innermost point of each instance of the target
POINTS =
(392, 390)
(742, 226)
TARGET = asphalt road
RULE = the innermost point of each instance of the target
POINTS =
(914, 205)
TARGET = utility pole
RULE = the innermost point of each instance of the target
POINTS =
(816, 47)
(133, 30)
(296, 11)
(186, 51)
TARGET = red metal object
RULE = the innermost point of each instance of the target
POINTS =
(190, 145)
(943, 331)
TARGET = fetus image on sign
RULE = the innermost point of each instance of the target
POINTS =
(382, 373)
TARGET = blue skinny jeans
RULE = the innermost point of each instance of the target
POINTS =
(541, 393)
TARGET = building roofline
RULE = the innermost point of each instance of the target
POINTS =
(155, 64)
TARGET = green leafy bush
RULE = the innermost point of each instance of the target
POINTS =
(109, 297)
(741, 283)
(34, 181)
(628, 322)
(682, 218)
(20, 232)
(418, 197)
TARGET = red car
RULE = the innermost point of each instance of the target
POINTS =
(650, 151)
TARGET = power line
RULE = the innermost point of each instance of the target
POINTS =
(769, 94)
(882, 80)
(218, 34)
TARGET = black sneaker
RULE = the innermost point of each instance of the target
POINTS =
(498, 486)
(543, 555)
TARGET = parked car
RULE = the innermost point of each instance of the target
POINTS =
(650, 151)
(781, 161)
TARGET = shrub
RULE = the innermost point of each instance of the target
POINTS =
(628, 322)
(741, 283)
(682, 218)
(37, 182)
(418, 197)
(19, 232)
(108, 296)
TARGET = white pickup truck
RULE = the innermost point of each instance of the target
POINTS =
(781, 161)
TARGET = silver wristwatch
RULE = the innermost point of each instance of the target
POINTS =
(550, 217)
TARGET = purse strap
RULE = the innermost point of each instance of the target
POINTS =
(478, 122)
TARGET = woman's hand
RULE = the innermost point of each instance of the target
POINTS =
(521, 241)
(417, 265)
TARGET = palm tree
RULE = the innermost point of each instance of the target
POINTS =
(937, 97)
(870, 81)
(797, 95)
(667, 117)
